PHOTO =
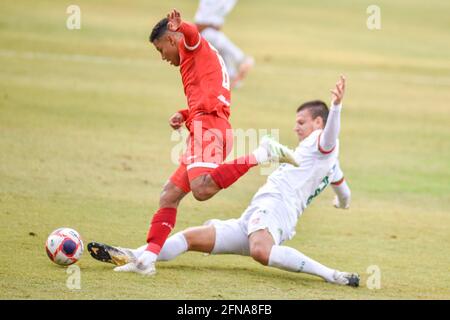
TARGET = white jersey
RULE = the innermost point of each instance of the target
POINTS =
(279, 203)
(298, 186)
(213, 12)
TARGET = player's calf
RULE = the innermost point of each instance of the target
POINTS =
(171, 196)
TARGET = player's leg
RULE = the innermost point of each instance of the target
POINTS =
(290, 259)
(227, 49)
(223, 44)
(162, 223)
(267, 230)
(164, 219)
(214, 237)
(231, 67)
(200, 238)
(207, 183)
(244, 68)
(230, 237)
(208, 175)
(261, 243)
(237, 63)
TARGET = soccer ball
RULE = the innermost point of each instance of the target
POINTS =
(64, 246)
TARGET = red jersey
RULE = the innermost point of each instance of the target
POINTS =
(204, 75)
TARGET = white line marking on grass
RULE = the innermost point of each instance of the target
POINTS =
(361, 75)
(34, 55)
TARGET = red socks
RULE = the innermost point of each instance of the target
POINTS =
(162, 224)
(228, 173)
(164, 219)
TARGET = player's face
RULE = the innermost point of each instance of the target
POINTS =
(168, 47)
(305, 124)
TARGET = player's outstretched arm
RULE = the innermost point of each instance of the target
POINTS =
(332, 128)
(191, 35)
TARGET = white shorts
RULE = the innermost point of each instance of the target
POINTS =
(230, 237)
(265, 212)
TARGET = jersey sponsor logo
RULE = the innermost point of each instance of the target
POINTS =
(323, 184)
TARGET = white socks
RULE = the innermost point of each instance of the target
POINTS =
(173, 247)
(289, 259)
(147, 258)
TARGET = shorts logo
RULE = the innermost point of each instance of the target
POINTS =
(167, 225)
(255, 221)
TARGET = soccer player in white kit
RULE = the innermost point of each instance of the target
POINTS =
(209, 18)
(272, 215)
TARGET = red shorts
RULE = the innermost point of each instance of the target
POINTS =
(209, 143)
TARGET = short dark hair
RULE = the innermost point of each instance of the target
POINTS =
(317, 108)
(159, 29)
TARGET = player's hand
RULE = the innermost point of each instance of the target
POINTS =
(176, 121)
(341, 204)
(174, 20)
(337, 94)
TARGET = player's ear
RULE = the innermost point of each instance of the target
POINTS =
(172, 40)
(318, 121)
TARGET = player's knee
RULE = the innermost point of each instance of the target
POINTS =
(201, 193)
(260, 253)
(203, 187)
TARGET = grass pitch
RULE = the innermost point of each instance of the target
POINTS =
(84, 143)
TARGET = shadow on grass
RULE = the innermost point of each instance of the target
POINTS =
(258, 273)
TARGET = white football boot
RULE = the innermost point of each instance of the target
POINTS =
(346, 278)
(145, 265)
(270, 150)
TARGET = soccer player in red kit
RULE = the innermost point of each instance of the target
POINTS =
(201, 170)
